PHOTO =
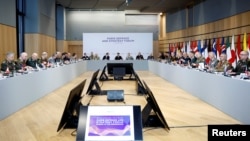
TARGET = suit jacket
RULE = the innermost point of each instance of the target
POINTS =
(105, 57)
(118, 58)
(34, 63)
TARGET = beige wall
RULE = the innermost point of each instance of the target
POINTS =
(7, 41)
(39, 43)
(75, 47)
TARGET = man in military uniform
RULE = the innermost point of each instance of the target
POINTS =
(34, 62)
(9, 65)
(223, 65)
(243, 64)
(21, 62)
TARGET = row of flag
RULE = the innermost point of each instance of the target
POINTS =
(217, 45)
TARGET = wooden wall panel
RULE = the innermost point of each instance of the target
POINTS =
(7, 41)
(76, 47)
(234, 25)
(39, 43)
(155, 48)
(62, 45)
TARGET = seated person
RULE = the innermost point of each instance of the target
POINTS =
(173, 58)
(22, 61)
(106, 56)
(139, 56)
(118, 57)
(212, 62)
(34, 62)
(91, 57)
(73, 58)
(65, 58)
(179, 56)
(184, 60)
(223, 65)
(161, 56)
(199, 59)
(167, 56)
(150, 57)
(129, 57)
(9, 65)
(193, 59)
(242, 65)
(85, 57)
(44, 60)
(96, 57)
(58, 58)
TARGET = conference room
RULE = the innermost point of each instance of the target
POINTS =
(181, 93)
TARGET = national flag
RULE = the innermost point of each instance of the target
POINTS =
(185, 46)
(228, 50)
(206, 51)
(245, 42)
(194, 47)
(169, 48)
(188, 47)
(218, 47)
(238, 47)
(214, 47)
(248, 45)
(182, 44)
(209, 48)
(223, 46)
(178, 48)
(203, 47)
(199, 46)
(232, 60)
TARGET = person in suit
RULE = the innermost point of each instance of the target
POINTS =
(9, 65)
(184, 60)
(193, 59)
(85, 56)
(66, 58)
(106, 56)
(118, 57)
(173, 58)
(34, 61)
(161, 56)
(139, 56)
(150, 57)
(58, 58)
